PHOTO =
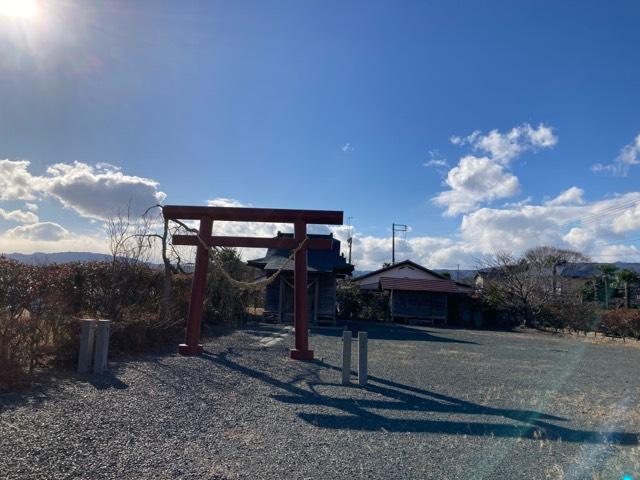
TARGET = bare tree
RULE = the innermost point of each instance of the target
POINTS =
(134, 240)
(547, 260)
(554, 256)
(129, 238)
(524, 285)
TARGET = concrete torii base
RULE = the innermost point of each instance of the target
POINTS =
(296, 354)
(190, 350)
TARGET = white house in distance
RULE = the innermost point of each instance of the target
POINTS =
(418, 294)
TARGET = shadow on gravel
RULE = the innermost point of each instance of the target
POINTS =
(48, 382)
(394, 396)
(32, 397)
(107, 381)
(390, 332)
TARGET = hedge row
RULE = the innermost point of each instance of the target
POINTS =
(588, 317)
(40, 307)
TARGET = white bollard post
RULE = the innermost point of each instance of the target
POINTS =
(346, 357)
(100, 362)
(87, 338)
(362, 358)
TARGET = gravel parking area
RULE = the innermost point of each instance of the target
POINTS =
(441, 404)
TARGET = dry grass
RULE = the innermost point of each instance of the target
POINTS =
(594, 338)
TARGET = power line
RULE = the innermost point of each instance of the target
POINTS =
(603, 213)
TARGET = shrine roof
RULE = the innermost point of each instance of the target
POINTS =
(322, 261)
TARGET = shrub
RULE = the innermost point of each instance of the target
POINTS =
(40, 307)
(364, 305)
(624, 322)
(224, 302)
(35, 321)
(573, 316)
(349, 299)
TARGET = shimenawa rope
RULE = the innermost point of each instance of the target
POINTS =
(249, 286)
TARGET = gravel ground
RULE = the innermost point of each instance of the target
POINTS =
(442, 404)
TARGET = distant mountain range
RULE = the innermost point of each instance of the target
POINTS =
(40, 258)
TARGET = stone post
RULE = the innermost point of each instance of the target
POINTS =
(346, 357)
(100, 361)
(87, 339)
(362, 358)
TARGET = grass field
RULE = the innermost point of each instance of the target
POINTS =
(440, 403)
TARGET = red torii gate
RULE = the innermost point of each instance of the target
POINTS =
(207, 215)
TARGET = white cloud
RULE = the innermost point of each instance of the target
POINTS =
(33, 207)
(611, 253)
(584, 226)
(627, 219)
(46, 231)
(628, 156)
(504, 147)
(511, 229)
(101, 191)
(347, 147)
(93, 192)
(19, 216)
(50, 237)
(475, 180)
(225, 202)
(370, 252)
(571, 196)
(579, 239)
(595, 228)
(16, 183)
(436, 160)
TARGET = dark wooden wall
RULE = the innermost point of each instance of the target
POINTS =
(419, 305)
(322, 284)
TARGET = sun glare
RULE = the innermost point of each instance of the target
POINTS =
(18, 8)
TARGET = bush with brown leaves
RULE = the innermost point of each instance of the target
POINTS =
(624, 322)
(40, 307)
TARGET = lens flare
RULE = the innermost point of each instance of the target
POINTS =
(18, 8)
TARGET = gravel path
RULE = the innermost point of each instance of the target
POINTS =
(441, 404)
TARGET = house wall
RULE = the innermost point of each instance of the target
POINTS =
(401, 271)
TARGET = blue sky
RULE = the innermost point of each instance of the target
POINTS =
(330, 105)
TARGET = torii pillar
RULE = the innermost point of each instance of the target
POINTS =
(300, 311)
(207, 215)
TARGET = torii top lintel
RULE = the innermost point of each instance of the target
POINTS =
(242, 214)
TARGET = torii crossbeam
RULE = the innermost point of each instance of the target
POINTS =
(207, 215)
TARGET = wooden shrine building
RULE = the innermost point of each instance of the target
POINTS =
(324, 267)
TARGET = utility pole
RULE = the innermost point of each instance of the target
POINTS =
(350, 239)
(395, 227)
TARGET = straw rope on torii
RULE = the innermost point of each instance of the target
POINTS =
(255, 286)
(206, 242)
